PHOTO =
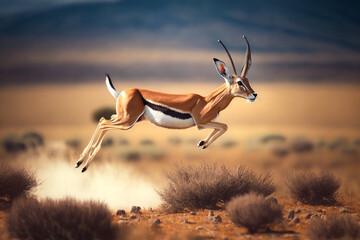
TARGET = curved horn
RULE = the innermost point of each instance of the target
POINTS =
(247, 62)
(232, 63)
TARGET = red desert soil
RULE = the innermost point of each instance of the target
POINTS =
(188, 226)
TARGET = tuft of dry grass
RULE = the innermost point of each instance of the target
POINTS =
(309, 188)
(334, 226)
(209, 186)
(15, 183)
(253, 211)
(60, 219)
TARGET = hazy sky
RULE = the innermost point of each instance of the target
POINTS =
(80, 40)
(20, 6)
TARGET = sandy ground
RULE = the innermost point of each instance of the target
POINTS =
(198, 225)
(60, 111)
(320, 113)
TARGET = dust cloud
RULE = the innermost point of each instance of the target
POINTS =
(114, 184)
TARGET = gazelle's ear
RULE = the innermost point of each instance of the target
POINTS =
(222, 70)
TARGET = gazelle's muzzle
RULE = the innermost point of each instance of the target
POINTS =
(252, 97)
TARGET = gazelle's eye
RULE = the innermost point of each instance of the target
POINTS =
(241, 84)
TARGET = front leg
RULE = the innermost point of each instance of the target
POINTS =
(202, 142)
(219, 129)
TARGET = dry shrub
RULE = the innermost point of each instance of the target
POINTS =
(17, 144)
(107, 142)
(272, 137)
(349, 150)
(302, 145)
(334, 227)
(153, 153)
(130, 155)
(253, 211)
(33, 139)
(228, 143)
(209, 186)
(280, 151)
(15, 183)
(123, 141)
(147, 142)
(13, 144)
(176, 140)
(338, 143)
(60, 219)
(105, 112)
(309, 188)
(357, 142)
(73, 143)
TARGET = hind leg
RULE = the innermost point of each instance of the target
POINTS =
(129, 109)
(88, 147)
(104, 127)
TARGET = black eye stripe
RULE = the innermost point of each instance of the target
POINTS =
(241, 84)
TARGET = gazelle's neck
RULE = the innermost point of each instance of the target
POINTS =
(220, 98)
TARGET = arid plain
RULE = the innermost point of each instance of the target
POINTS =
(325, 115)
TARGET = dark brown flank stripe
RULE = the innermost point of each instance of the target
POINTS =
(167, 111)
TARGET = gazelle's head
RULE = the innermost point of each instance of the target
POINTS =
(239, 85)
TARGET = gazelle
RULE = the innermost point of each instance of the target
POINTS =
(177, 111)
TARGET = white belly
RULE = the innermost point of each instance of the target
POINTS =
(160, 119)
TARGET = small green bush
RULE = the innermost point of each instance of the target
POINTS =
(309, 188)
(64, 219)
(209, 186)
(253, 211)
(334, 226)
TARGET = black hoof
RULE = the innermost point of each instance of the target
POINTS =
(78, 164)
(202, 142)
(204, 147)
(84, 169)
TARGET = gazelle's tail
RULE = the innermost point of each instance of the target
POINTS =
(111, 87)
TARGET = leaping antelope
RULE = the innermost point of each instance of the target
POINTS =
(176, 111)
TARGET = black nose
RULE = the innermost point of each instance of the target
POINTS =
(255, 94)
